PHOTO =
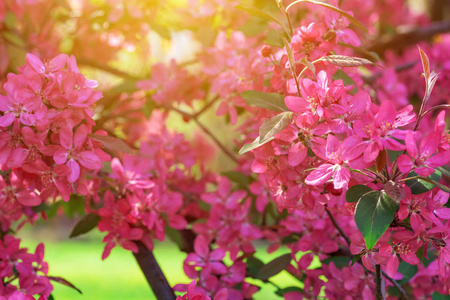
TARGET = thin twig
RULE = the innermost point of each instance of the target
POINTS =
(409, 36)
(207, 131)
(399, 68)
(395, 283)
(436, 107)
(103, 67)
(336, 225)
(206, 107)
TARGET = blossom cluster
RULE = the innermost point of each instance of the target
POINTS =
(145, 191)
(45, 150)
(24, 274)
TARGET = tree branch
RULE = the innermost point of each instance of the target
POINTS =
(336, 225)
(207, 131)
(105, 68)
(153, 273)
(409, 36)
(378, 293)
(395, 283)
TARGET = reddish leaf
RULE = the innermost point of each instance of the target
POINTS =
(65, 282)
(425, 63)
(111, 143)
(381, 161)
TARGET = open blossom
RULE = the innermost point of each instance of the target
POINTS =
(73, 151)
(322, 97)
(337, 155)
(308, 42)
(423, 159)
(380, 127)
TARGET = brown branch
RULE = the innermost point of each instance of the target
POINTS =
(395, 283)
(399, 68)
(206, 107)
(207, 131)
(378, 293)
(105, 68)
(409, 36)
(336, 225)
(153, 273)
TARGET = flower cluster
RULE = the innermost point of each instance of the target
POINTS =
(146, 191)
(45, 151)
(24, 274)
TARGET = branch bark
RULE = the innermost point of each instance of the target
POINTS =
(409, 36)
(378, 294)
(153, 273)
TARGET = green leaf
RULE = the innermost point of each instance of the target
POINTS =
(437, 296)
(148, 108)
(374, 213)
(355, 258)
(175, 236)
(356, 192)
(346, 61)
(293, 238)
(51, 297)
(338, 10)
(86, 224)
(274, 267)
(127, 86)
(407, 270)
(255, 144)
(254, 265)
(237, 177)
(339, 261)
(346, 79)
(394, 154)
(111, 143)
(273, 38)
(256, 12)
(75, 205)
(281, 292)
(420, 186)
(445, 170)
(275, 125)
(40, 208)
(270, 101)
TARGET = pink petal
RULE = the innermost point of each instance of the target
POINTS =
(28, 198)
(35, 63)
(392, 265)
(75, 168)
(341, 177)
(7, 119)
(17, 158)
(201, 246)
(320, 175)
(27, 119)
(80, 136)
(404, 163)
(89, 160)
(297, 154)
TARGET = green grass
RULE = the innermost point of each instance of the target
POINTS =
(119, 277)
